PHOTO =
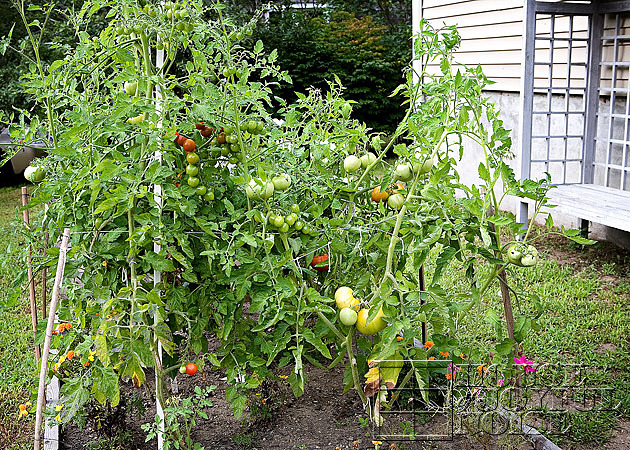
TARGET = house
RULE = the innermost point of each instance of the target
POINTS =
(561, 73)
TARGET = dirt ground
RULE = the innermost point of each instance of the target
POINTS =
(326, 418)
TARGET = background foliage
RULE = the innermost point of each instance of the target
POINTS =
(366, 44)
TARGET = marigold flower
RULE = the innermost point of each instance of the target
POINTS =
(71, 354)
(449, 376)
(86, 363)
(399, 338)
(431, 358)
(444, 354)
(91, 355)
(355, 444)
(58, 408)
(24, 409)
(482, 369)
(263, 401)
(284, 377)
(428, 344)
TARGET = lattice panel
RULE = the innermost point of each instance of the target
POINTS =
(559, 103)
(611, 159)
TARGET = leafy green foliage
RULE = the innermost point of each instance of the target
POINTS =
(157, 262)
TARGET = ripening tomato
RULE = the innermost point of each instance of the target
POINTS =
(180, 139)
(189, 145)
(317, 260)
(378, 195)
(192, 158)
(206, 132)
(344, 298)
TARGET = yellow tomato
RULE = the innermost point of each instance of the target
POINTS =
(345, 299)
(376, 325)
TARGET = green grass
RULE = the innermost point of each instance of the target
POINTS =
(17, 362)
(586, 320)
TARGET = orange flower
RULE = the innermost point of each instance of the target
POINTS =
(355, 444)
(461, 355)
(399, 338)
(263, 401)
(482, 370)
(450, 376)
(24, 409)
(444, 354)
(71, 354)
(431, 358)
(86, 363)
(428, 344)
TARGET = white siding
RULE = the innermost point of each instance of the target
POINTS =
(492, 35)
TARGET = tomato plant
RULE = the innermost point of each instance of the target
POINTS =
(223, 254)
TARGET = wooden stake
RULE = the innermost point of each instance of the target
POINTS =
(422, 288)
(44, 270)
(61, 264)
(31, 279)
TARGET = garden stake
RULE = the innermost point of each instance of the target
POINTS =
(61, 264)
(31, 280)
(422, 287)
(44, 269)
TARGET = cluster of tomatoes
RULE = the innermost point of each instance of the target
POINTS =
(177, 13)
(352, 163)
(352, 314)
(393, 195)
(286, 223)
(190, 369)
(192, 169)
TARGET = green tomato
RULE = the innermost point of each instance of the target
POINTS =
(291, 219)
(395, 201)
(295, 208)
(367, 159)
(424, 166)
(209, 196)
(34, 174)
(281, 182)
(182, 369)
(192, 170)
(193, 181)
(404, 172)
(307, 230)
(257, 189)
(299, 225)
(278, 221)
(284, 228)
(348, 316)
(131, 87)
(351, 163)
(201, 190)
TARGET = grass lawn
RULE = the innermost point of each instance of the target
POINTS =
(585, 293)
(17, 362)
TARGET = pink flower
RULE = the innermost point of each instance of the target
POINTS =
(501, 381)
(527, 365)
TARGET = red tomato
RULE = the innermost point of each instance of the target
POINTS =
(189, 145)
(191, 368)
(181, 139)
(317, 259)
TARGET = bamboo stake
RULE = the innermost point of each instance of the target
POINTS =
(61, 264)
(31, 280)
